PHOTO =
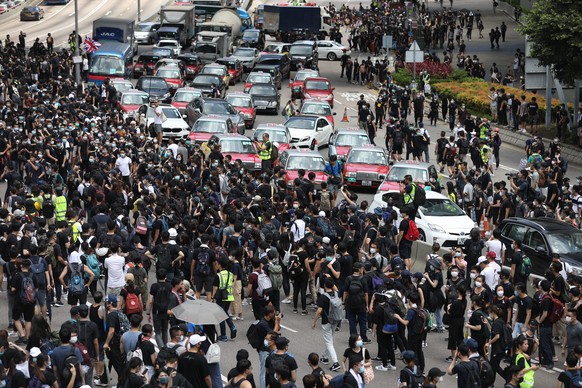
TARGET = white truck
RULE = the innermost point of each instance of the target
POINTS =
(181, 16)
(211, 45)
(226, 20)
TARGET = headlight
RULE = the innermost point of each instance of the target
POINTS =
(351, 174)
(307, 138)
(248, 116)
(258, 165)
(436, 228)
(272, 103)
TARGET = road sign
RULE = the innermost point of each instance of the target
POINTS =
(387, 41)
(414, 54)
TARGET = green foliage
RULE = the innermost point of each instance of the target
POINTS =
(402, 77)
(555, 28)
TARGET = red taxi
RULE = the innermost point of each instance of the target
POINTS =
(317, 107)
(192, 65)
(172, 75)
(257, 77)
(278, 134)
(243, 103)
(296, 84)
(235, 68)
(320, 88)
(238, 147)
(132, 99)
(145, 64)
(366, 166)
(420, 172)
(207, 126)
(343, 139)
(293, 160)
(183, 96)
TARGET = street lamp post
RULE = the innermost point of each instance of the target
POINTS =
(139, 10)
(76, 54)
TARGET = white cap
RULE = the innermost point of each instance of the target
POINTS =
(196, 339)
(34, 352)
(322, 213)
(481, 259)
(326, 240)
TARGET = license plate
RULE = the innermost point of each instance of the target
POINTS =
(461, 241)
(366, 183)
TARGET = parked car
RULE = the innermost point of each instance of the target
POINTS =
(278, 134)
(541, 238)
(309, 131)
(303, 55)
(173, 127)
(238, 147)
(170, 43)
(31, 12)
(281, 60)
(3, 8)
(131, 100)
(172, 75)
(183, 96)
(319, 88)
(439, 220)
(145, 32)
(420, 172)
(366, 166)
(145, 64)
(293, 160)
(265, 97)
(156, 87)
(331, 49)
(209, 125)
(319, 108)
(192, 65)
(244, 105)
(214, 106)
(277, 48)
(343, 139)
(247, 56)
(204, 82)
(235, 68)
(296, 84)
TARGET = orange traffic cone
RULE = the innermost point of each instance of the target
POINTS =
(485, 224)
(482, 226)
(345, 118)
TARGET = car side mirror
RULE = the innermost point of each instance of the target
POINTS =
(184, 116)
(332, 88)
(541, 250)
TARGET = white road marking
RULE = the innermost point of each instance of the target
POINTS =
(511, 169)
(72, 13)
(108, 13)
(288, 328)
(338, 102)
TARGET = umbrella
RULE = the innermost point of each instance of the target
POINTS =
(200, 312)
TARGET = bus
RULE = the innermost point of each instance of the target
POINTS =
(112, 60)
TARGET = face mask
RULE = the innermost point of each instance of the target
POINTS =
(413, 305)
(478, 284)
(373, 250)
(359, 343)
(458, 254)
(122, 155)
(500, 293)
(266, 343)
(454, 274)
(473, 275)
(34, 359)
(328, 258)
(361, 369)
(568, 319)
(515, 293)
(181, 338)
(295, 206)
(73, 340)
(164, 380)
(440, 378)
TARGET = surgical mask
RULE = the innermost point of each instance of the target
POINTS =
(295, 206)
(181, 338)
(440, 378)
(500, 293)
(413, 305)
(458, 254)
(568, 319)
(478, 284)
(515, 293)
(164, 380)
(373, 250)
(454, 274)
(328, 258)
(34, 359)
(359, 343)
(473, 275)
(122, 155)
(73, 340)
(361, 369)
(266, 343)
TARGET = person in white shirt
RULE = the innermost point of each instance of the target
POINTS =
(123, 163)
(495, 245)
(115, 266)
(298, 226)
(173, 147)
(158, 120)
(489, 269)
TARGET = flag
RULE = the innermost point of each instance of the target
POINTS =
(90, 45)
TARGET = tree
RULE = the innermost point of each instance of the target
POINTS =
(555, 29)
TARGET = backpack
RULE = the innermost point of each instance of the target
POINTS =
(253, 336)
(164, 257)
(396, 303)
(412, 234)
(420, 321)
(47, 345)
(377, 281)
(136, 352)
(337, 381)
(132, 303)
(37, 268)
(349, 238)
(336, 308)
(166, 353)
(419, 196)
(575, 379)
(35, 382)
(84, 353)
(390, 322)
(557, 309)
(141, 225)
(48, 207)
(326, 228)
(506, 337)
(274, 152)
(276, 275)
(277, 360)
(203, 262)
(162, 298)
(473, 378)
(76, 279)
(27, 290)
(295, 269)
(124, 325)
(93, 264)
(486, 372)
(525, 269)
(70, 360)
(415, 380)
(264, 284)
(355, 293)
(325, 201)
(165, 225)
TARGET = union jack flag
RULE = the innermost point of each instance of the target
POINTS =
(90, 45)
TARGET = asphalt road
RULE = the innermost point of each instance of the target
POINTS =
(60, 22)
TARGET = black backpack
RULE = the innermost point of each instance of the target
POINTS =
(164, 257)
(253, 335)
(277, 360)
(48, 207)
(295, 269)
(165, 354)
(419, 196)
(419, 321)
(486, 372)
(355, 293)
(473, 378)
(70, 360)
(203, 262)
(162, 298)
(415, 380)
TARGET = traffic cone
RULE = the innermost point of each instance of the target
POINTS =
(485, 224)
(345, 118)
(482, 226)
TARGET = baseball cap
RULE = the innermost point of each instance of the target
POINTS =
(35, 352)
(408, 355)
(322, 213)
(281, 341)
(196, 339)
(326, 240)
(74, 310)
(435, 372)
(111, 298)
(481, 259)
(472, 344)
(257, 198)
(491, 255)
(129, 277)
(18, 213)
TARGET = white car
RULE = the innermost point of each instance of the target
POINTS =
(170, 43)
(122, 85)
(309, 131)
(247, 56)
(174, 127)
(331, 50)
(438, 220)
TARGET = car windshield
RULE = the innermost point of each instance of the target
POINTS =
(168, 73)
(166, 44)
(367, 157)
(153, 83)
(241, 102)
(300, 123)
(244, 52)
(441, 207)
(218, 108)
(301, 49)
(230, 65)
(270, 61)
(205, 48)
(348, 139)
(259, 90)
(308, 163)
(259, 79)
(276, 136)
(317, 85)
(209, 126)
(302, 75)
(148, 58)
(107, 65)
(205, 80)
(272, 48)
(238, 146)
(185, 96)
(163, 51)
(566, 243)
(134, 99)
(397, 174)
(143, 27)
(121, 87)
(316, 109)
(189, 60)
(214, 70)
(251, 34)
(169, 112)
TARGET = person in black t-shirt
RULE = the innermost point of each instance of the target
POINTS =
(547, 350)
(516, 264)
(242, 354)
